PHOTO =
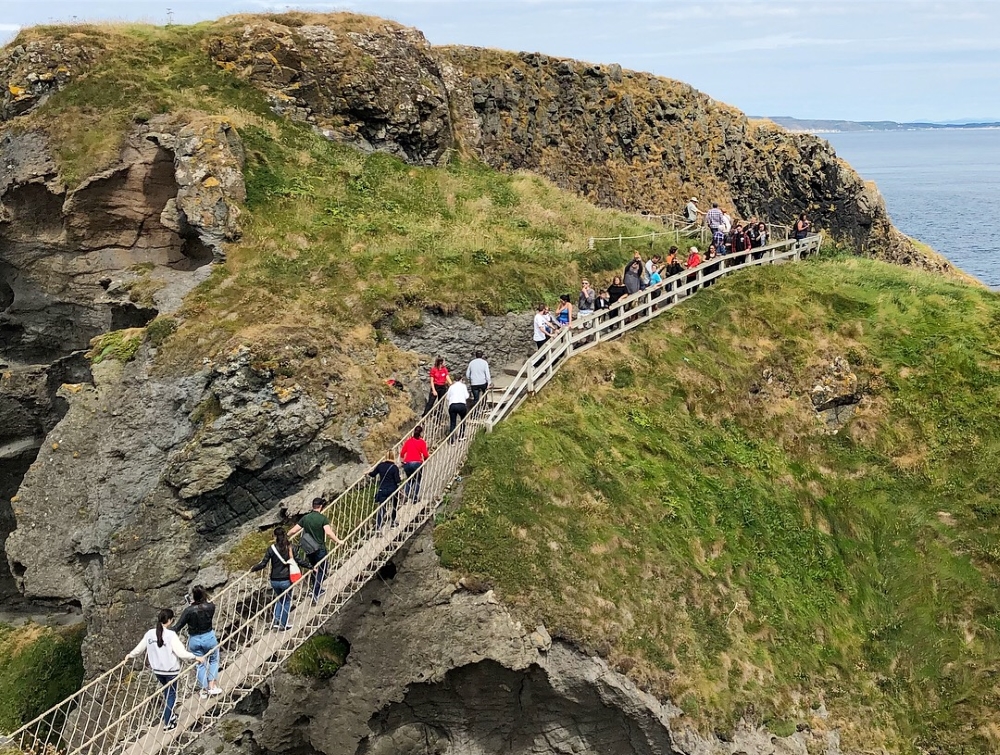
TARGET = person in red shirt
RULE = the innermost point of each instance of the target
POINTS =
(694, 259)
(440, 380)
(413, 453)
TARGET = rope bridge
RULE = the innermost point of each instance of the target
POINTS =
(118, 713)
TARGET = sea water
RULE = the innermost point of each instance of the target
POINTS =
(940, 186)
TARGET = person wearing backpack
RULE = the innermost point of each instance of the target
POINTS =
(279, 556)
(315, 529)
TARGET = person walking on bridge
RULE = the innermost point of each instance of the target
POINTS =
(387, 474)
(197, 617)
(478, 375)
(315, 529)
(440, 380)
(279, 556)
(164, 653)
(413, 454)
(458, 405)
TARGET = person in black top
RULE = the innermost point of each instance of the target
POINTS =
(279, 556)
(802, 227)
(202, 641)
(387, 474)
(616, 290)
(672, 265)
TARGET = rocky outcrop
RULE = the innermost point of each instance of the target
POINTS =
(154, 213)
(32, 71)
(505, 340)
(145, 473)
(639, 142)
(622, 139)
(435, 668)
(365, 81)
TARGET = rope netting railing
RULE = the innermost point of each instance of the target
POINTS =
(119, 711)
(114, 692)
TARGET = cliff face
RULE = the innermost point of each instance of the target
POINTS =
(620, 138)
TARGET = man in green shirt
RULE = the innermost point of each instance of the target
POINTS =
(315, 529)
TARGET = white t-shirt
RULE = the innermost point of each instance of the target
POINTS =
(727, 222)
(541, 326)
(457, 394)
(163, 660)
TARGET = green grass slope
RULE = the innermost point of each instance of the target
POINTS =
(673, 502)
(39, 667)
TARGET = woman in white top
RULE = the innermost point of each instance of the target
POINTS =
(457, 399)
(164, 651)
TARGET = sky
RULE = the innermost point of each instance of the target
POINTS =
(902, 60)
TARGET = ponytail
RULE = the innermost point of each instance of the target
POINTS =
(281, 541)
(165, 617)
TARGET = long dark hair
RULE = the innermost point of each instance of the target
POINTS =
(199, 594)
(439, 362)
(281, 541)
(165, 617)
(418, 431)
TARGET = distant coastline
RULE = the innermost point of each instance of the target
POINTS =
(819, 126)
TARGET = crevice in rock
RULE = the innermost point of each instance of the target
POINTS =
(249, 493)
(6, 295)
(486, 707)
(195, 253)
(15, 458)
(129, 315)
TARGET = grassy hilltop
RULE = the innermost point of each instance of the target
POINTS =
(673, 501)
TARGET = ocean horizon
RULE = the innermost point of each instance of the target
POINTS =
(941, 186)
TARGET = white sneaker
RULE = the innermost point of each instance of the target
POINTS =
(213, 691)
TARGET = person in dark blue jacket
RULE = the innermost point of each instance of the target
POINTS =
(387, 474)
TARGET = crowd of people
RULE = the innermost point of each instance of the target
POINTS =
(286, 562)
(728, 238)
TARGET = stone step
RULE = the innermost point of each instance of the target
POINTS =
(512, 369)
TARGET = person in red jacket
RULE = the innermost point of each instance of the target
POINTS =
(413, 453)
(693, 260)
(440, 380)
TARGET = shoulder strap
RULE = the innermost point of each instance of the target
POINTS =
(278, 555)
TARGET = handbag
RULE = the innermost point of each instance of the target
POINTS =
(294, 573)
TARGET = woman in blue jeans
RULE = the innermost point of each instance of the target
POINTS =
(279, 556)
(197, 617)
(164, 652)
